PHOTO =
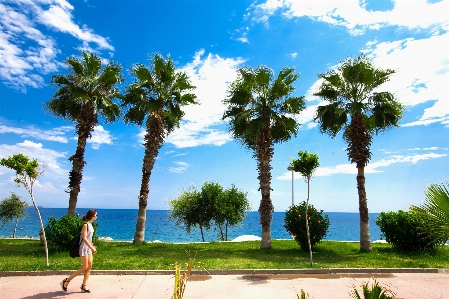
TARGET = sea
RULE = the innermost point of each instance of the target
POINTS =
(120, 225)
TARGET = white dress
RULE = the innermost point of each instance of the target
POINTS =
(84, 249)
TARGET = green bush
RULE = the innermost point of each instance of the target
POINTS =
(295, 223)
(404, 231)
(61, 231)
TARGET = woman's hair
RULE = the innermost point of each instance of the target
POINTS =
(89, 215)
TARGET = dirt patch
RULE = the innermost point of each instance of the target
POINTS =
(199, 277)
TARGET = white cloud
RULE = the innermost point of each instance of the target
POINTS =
(422, 67)
(46, 187)
(56, 134)
(416, 14)
(211, 76)
(243, 38)
(422, 64)
(27, 52)
(100, 136)
(373, 167)
(182, 166)
(46, 157)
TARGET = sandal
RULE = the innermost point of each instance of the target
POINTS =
(63, 284)
(83, 289)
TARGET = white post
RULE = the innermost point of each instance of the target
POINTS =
(293, 196)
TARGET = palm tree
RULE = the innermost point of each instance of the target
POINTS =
(157, 95)
(355, 105)
(435, 211)
(84, 95)
(260, 112)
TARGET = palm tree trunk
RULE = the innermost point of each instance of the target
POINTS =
(365, 238)
(84, 128)
(76, 174)
(264, 154)
(154, 138)
(359, 143)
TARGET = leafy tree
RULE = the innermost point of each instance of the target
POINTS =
(356, 105)
(27, 172)
(13, 207)
(435, 212)
(261, 112)
(210, 195)
(295, 224)
(155, 97)
(198, 208)
(230, 210)
(306, 165)
(190, 209)
(84, 95)
(60, 232)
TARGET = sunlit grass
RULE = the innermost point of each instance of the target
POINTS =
(27, 255)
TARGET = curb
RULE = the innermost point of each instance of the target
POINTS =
(324, 271)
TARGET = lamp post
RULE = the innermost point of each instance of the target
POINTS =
(293, 196)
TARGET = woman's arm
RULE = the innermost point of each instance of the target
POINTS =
(84, 237)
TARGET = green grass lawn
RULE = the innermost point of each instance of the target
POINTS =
(27, 255)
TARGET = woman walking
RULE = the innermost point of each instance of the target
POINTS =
(87, 249)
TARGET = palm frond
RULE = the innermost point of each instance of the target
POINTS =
(386, 112)
(435, 210)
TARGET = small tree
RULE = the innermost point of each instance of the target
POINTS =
(198, 208)
(27, 172)
(230, 209)
(13, 207)
(210, 196)
(306, 165)
(295, 224)
(191, 209)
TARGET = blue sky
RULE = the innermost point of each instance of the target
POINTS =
(210, 40)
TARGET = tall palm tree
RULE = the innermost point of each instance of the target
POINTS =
(157, 95)
(84, 95)
(355, 104)
(435, 211)
(260, 112)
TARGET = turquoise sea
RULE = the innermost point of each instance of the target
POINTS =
(120, 224)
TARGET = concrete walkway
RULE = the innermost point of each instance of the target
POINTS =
(244, 284)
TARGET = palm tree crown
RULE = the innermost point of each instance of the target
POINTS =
(260, 112)
(86, 93)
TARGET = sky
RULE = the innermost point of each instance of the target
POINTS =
(210, 40)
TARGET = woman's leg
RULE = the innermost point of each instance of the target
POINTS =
(89, 261)
(83, 269)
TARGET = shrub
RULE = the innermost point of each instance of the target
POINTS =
(376, 291)
(404, 231)
(61, 232)
(295, 223)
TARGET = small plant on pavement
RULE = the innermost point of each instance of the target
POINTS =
(376, 291)
(181, 279)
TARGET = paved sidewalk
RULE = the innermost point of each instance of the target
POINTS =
(245, 284)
